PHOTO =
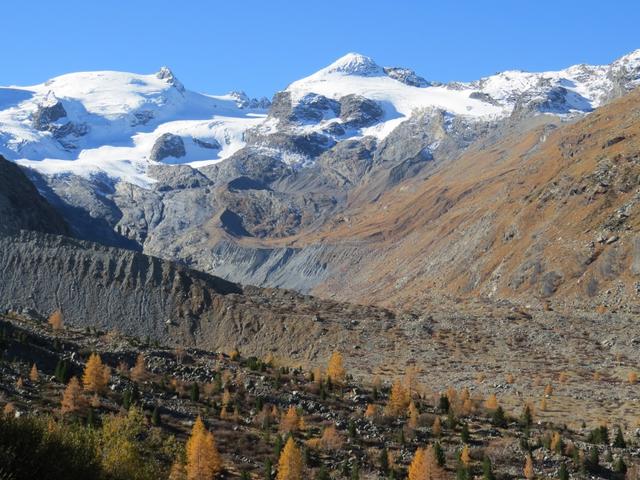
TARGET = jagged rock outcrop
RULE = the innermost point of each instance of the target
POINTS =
(46, 114)
(406, 76)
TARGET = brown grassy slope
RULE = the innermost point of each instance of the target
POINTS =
(528, 217)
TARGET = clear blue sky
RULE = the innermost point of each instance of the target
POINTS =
(261, 45)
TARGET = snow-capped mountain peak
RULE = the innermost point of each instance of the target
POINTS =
(353, 64)
(120, 123)
(166, 74)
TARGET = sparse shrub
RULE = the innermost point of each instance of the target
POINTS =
(498, 418)
(487, 469)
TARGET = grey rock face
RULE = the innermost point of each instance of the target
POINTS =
(167, 145)
(87, 206)
(308, 145)
(177, 177)
(44, 116)
(349, 160)
(357, 111)
(243, 101)
(406, 76)
(311, 108)
(108, 288)
(22, 207)
(145, 297)
(484, 97)
(410, 141)
(212, 144)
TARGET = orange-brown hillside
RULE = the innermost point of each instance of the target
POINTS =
(551, 213)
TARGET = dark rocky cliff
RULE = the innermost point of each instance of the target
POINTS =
(22, 207)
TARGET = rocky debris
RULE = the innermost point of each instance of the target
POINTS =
(167, 145)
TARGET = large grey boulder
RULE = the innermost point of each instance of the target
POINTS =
(167, 145)
(357, 111)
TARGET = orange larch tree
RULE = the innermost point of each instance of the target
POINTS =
(203, 460)
(96, 375)
(72, 400)
(335, 369)
(290, 465)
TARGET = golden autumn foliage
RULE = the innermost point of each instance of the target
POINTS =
(177, 472)
(398, 400)
(34, 375)
(543, 404)
(556, 441)
(414, 416)
(139, 370)
(290, 463)
(56, 320)
(335, 369)
(331, 439)
(548, 390)
(203, 460)
(226, 398)
(96, 375)
(417, 469)
(467, 407)
(371, 411)
(424, 466)
(492, 402)
(632, 378)
(72, 399)
(528, 468)
(452, 395)
(290, 421)
(9, 410)
(465, 456)
(436, 428)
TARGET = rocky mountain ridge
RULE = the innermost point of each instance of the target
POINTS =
(330, 146)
